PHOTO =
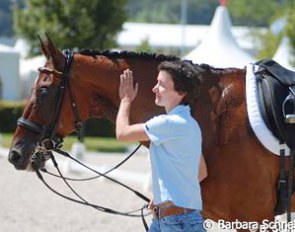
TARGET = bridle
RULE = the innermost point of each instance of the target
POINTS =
(51, 141)
(49, 138)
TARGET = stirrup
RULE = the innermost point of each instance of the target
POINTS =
(290, 118)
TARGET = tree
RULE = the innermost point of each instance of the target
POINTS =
(290, 27)
(253, 12)
(155, 11)
(71, 23)
(265, 13)
(5, 19)
(243, 12)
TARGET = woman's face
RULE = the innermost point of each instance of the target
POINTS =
(166, 95)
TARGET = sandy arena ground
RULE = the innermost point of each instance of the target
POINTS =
(26, 205)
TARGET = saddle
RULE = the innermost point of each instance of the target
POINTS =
(276, 88)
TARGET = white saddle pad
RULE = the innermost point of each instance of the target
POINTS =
(259, 127)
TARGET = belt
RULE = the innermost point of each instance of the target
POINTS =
(160, 212)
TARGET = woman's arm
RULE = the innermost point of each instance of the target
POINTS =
(127, 93)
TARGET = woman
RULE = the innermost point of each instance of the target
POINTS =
(175, 146)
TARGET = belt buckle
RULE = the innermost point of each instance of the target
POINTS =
(156, 212)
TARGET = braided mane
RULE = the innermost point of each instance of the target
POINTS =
(204, 71)
(128, 54)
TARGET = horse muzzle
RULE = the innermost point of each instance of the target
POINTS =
(19, 161)
(29, 159)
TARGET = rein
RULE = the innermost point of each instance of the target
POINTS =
(97, 176)
(51, 141)
(82, 200)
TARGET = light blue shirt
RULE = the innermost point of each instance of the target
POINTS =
(175, 151)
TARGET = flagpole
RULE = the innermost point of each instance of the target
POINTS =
(183, 23)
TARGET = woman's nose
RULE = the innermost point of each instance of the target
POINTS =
(155, 89)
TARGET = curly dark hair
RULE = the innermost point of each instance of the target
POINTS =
(185, 78)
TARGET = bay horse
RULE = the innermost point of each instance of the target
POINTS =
(243, 175)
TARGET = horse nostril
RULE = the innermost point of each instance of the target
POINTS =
(14, 157)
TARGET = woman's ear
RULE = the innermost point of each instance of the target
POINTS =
(182, 94)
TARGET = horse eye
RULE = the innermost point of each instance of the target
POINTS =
(43, 92)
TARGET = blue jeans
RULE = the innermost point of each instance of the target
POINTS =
(190, 222)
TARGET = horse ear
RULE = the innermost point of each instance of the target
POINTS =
(55, 54)
(43, 47)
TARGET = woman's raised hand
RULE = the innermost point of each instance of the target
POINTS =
(127, 90)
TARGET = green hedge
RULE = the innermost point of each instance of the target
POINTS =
(11, 111)
(99, 127)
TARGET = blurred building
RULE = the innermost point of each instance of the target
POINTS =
(283, 55)
(9, 74)
(219, 44)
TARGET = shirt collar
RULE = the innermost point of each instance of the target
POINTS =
(179, 108)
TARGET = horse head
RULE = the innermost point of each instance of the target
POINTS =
(38, 131)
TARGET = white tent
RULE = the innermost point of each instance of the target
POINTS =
(283, 54)
(29, 72)
(28, 66)
(175, 35)
(9, 74)
(22, 46)
(160, 35)
(219, 48)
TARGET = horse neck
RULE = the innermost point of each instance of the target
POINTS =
(97, 79)
(221, 93)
